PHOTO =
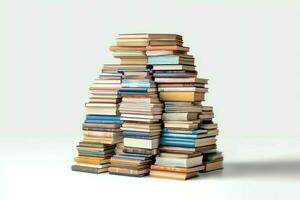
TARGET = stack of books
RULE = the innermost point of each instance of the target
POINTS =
(140, 109)
(188, 143)
(126, 124)
(212, 158)
(102, 126)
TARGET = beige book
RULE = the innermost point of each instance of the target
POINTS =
(141, 143)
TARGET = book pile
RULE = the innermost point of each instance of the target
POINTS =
(126, 124)
(212, 159)
(140, 109)
(188, 133)
(101, 128)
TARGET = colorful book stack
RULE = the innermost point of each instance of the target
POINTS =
(187, 144)
(140, 108)
(101, 128)
(123, 136)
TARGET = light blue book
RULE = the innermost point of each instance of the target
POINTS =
(103, 117)
(134, 83)
(177, 135)
(155, 60)
(177, 143)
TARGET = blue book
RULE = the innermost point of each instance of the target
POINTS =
(177, 143)
(136, 85)
(177, 135)
(135, 133)
(133, 80)
(93, 121)
(169, 59)
(103, 117)
(178, 139)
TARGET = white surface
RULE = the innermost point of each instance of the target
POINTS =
(52, 50)
(253, 170)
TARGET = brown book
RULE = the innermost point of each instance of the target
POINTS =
(173, 175)
(177, 169)
(167, 48)
(212, 166)
(124, 171)
(182, 96)
(181, 80)
(90, 160)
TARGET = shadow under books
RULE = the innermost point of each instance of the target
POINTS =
(273, 169)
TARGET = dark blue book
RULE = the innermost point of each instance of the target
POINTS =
(177, 143)
(136, 134)
(103, 121)
(103, 117)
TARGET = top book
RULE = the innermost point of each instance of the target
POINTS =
(149, 36)
(141, 40)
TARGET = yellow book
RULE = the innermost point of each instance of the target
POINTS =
(90, 160)
(181, 96)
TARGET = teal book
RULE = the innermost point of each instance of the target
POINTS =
(155, 60)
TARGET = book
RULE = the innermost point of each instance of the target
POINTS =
(178, 169)
(181, 96)
(87, 169)
(183, 142)
(171, 59)
(179, 162)
(141, 143)
(173, 175)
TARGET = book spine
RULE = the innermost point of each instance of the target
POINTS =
(103, 121)
(167, 168)
(105, 117)
(177, 143)
(152, 60)
(177, 135)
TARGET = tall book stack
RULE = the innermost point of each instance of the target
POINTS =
(101, 128)
(188, 143)
(140, 108)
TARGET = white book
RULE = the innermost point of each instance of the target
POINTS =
(141, 143)
(179, 162)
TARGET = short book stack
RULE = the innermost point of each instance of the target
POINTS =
(187, 144)
(101, 128)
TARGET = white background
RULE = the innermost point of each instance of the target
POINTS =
(52, 50)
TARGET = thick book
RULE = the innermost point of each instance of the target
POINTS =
(141, 143)
(171, 59)
(179, 162)
(90, 160)
(128, 172)
(101, 111)
(181, 96)
(187, 142)
(180, 116)
(177, 169)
